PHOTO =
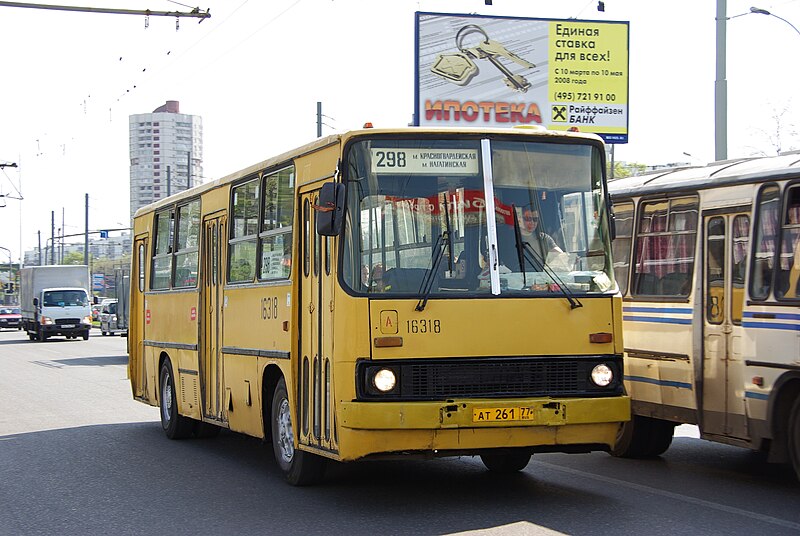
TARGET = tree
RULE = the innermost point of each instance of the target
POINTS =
(625, 169)
(780, 136)
(73, 257)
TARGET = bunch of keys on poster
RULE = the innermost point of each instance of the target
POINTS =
(459, 68)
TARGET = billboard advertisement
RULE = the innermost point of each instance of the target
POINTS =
(563, 74)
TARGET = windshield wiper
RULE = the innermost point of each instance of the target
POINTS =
(443, 243)
(526, 252)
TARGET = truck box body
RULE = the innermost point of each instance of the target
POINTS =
(123, 286)
(62, 295)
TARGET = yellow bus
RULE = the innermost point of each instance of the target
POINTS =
(708, 260)
(424, 292)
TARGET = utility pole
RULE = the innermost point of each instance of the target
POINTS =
(52, 236)
(169, 185)
(39, 259)
(86, 235)
(61, 242)
(319, 119)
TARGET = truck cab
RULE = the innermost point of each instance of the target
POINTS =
(61, 311)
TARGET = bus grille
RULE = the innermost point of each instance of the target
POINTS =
(443, 379)
(62, 321)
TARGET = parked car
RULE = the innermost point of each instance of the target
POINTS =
(108, 318)
(10, 317)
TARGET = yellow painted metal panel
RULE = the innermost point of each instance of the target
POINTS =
(243, 394)
(172, 317)
(495, 327)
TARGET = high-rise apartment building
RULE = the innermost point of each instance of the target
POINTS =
(166, 150)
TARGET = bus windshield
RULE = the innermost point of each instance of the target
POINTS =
(418, 219)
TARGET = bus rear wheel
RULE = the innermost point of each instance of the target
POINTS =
(643, 437)
(176, 426)
(794, 437)
(300, 468)
(508, 461)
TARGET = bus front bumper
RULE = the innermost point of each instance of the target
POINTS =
(469, 426)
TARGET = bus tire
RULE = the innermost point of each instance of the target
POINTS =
(300, 468)
(176, 426)
(794, 437)
(508, 461)
(643, 437)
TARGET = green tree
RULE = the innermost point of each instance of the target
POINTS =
(73, 257)
(625, 169)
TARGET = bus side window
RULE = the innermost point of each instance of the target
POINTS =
(621, 246)
(789, 269)
(764, 242)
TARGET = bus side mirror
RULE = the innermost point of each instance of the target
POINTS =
(330, 209)
(36, 302)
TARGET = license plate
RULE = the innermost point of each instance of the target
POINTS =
(503, 414)
(68, 326)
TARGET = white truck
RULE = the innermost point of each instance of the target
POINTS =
(55, 301)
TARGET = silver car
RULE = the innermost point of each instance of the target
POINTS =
(108, 318)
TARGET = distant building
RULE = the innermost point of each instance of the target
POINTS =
(111, 248)
(166, 152)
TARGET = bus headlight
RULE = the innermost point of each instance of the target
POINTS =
(602, 375)
(87, 320)
(46, 321)
(384, 380)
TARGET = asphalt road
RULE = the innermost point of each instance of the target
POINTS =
(79, 456)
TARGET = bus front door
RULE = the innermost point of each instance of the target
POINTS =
(213, 275)
(315, 382)
(725, 260)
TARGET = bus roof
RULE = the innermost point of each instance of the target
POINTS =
(728, 172)
(344, 137)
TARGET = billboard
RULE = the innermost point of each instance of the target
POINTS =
(564, 74)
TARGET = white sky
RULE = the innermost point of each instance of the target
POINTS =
(255, 70)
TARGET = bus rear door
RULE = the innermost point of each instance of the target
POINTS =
(213, 275)
(137, 320)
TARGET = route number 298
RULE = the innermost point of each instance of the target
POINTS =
(391, 159)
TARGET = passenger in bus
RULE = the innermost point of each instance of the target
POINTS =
(364, 276)
(377, 283)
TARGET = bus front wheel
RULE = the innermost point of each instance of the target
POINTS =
(301, 468)
(507, 461)
(176, 426)
(794, 437)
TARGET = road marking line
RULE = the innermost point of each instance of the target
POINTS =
(676, 496)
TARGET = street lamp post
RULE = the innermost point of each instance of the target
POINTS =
(760, 11)
(721, 84)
